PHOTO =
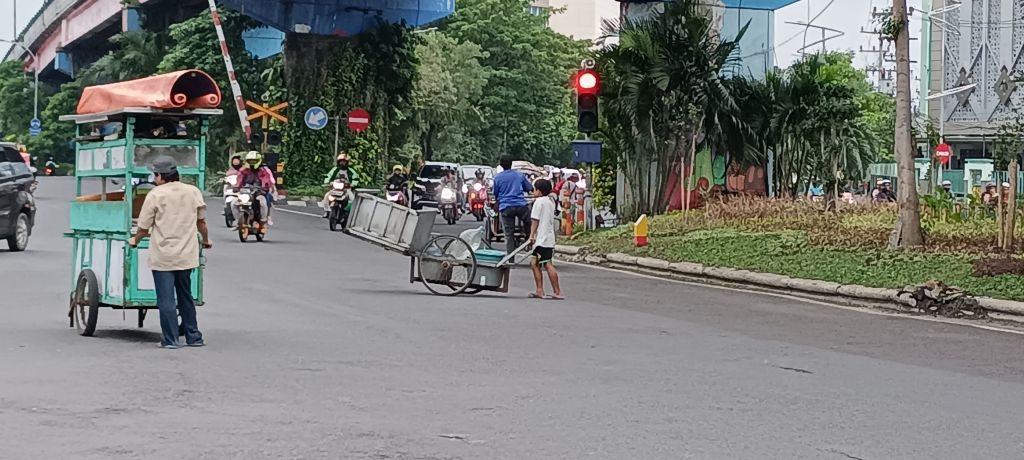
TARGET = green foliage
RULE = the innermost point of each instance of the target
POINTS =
(663, 86)
(374, 71)
(194, 45)
(526, 108)
(1009, 141)
(446, 112)
(774, 236)
(16, 99)
(134, 55)
(56, 137)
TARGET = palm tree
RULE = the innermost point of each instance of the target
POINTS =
(135, 54)
(663, 87)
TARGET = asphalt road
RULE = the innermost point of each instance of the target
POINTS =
(320, 348)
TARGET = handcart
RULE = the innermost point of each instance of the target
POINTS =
(447, 265)
(112, 148)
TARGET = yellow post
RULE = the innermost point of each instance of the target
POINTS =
(640, 229)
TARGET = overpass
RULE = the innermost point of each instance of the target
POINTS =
(65, 35)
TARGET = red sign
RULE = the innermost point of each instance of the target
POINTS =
(942, 152)
(358, 120)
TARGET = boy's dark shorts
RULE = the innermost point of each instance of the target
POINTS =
(543, 255)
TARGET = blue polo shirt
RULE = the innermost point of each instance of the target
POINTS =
(510, 186)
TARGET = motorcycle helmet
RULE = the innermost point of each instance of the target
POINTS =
(254, 159)
(479, 174)
(397, 169)
(342, 157)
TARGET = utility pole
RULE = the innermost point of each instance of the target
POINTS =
(908, 223)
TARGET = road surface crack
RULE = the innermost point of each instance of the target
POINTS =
(795, 369)
(839, 452)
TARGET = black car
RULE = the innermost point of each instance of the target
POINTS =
(428, 181)
(17, 205)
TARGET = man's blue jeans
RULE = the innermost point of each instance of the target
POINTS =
(174, 295)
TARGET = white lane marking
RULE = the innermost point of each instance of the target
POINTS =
(289, 211)
(802, 299)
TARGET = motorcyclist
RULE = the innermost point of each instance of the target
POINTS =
(557, 181)
(989, 197)
(254, 172)
(341, 170)
(398, 181)
(947, 190)
(884, 193)
(451, 181)
(50, 163)
(235, 167)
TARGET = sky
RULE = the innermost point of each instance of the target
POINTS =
(849, 16)
(846, 15)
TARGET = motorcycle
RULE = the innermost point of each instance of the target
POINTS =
(249, 220)
(397, 197)
(338, 199)
(448, 205)
(477, 198)
(48, 171)
(229, 198)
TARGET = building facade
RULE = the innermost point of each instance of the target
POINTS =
(981, 43)
(579, 19)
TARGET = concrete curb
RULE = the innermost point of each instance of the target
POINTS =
(850, 293)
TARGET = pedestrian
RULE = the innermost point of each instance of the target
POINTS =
(172, 215)
(510, 189)
(542, 238)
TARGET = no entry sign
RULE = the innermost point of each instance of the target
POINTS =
(358, 120)
(942, 152)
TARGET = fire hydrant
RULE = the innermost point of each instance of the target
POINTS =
(640, 229)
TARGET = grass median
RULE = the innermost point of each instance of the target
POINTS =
(846, 248)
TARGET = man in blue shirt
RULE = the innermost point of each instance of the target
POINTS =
(510, 189)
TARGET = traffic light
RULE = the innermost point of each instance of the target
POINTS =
(588, 84)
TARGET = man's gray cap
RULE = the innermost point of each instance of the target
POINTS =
(164, 165)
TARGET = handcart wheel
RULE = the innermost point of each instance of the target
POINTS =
(443, 254)
(85, 302)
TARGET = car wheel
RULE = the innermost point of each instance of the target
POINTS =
(19, 240)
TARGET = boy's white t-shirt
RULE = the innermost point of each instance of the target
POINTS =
(544, 213)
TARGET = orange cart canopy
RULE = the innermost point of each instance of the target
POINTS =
(184, 89)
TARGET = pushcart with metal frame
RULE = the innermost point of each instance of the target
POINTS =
(106, 270)
(446, 264)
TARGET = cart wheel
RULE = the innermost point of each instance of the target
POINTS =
(85, 302)
(142, 316)
(455, 274)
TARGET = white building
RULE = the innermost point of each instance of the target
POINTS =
(579, 19)
(983, 42)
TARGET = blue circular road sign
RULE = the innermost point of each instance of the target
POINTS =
(316, 118)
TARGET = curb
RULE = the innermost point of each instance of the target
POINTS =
(850, 294)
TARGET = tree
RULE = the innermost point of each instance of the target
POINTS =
(55, 140)
(194, 45)
(136, 54)
(446, 98)
(662, 88)
(908, 224)
(526, 108)
(16, 99)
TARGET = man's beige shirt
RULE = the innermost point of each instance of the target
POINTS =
(170, 213)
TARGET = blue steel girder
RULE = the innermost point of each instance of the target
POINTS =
(340, 17)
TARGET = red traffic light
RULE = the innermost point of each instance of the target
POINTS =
(587, 82)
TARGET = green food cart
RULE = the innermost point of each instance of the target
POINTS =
(113, 151)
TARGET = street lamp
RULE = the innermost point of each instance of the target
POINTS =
(35, 66)
(938, 17)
